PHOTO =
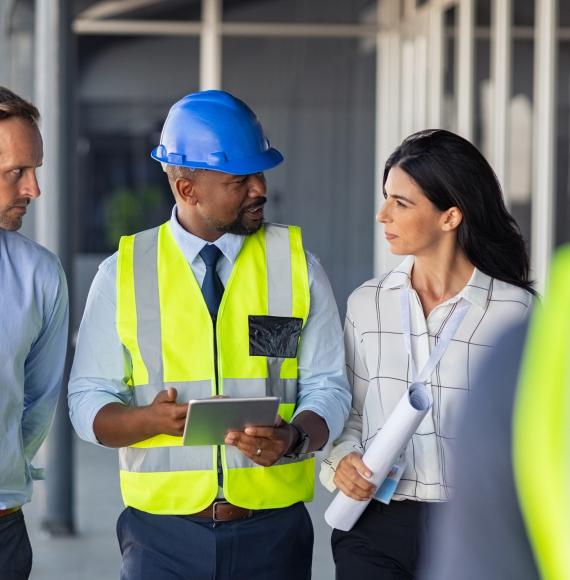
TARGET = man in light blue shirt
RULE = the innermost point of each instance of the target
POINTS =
(33, 331)
(215, 170)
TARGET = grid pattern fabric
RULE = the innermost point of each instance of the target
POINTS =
(379, 370)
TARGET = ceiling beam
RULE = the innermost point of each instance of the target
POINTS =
(244, 29)
(111, 8)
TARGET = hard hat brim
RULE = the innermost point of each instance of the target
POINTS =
(256, 164)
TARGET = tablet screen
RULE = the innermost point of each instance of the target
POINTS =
(209, 420)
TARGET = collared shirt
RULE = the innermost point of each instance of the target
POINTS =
(379, 369)
(101, 362)
(33, 340)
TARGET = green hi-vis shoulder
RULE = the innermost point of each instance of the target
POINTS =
(541, 427)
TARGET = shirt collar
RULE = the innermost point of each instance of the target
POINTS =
(191, 245)
(400, 277)
(475, 291)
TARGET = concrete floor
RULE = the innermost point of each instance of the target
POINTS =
(94, 554)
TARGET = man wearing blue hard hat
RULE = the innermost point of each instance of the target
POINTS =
(215, 302)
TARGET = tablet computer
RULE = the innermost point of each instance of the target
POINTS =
(209, 420)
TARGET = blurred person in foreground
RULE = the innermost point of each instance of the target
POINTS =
(33, 331)
(510, 516)
(465, 278)
(213, 302)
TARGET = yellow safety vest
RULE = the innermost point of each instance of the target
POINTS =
(164, 323)
(541, 427)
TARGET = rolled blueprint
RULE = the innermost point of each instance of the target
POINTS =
(383, 452)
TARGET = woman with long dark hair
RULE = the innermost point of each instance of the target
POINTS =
(465, 278)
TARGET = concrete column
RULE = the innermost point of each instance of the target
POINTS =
(53, 63)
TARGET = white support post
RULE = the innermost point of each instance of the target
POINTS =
(465, 68)
(407, 123)
(388, 96)
(211, 45)
(435, 66)
(420, 83)
(501, 79)
(542, 227)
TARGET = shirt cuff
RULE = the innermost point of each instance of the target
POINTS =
(329, 465)
(83, 414)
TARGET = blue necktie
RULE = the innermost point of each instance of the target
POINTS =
(212, 287)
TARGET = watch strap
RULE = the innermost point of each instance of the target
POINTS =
(302, 444)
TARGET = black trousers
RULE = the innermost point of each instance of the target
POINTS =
(15, 549)
(385, 543)
(274, 544)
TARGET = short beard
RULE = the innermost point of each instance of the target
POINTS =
(238, 227)
(10, 224)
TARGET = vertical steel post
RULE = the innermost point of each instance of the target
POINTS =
(211, 45)
(465, 67)
(52, 89)
(435, 65)
(542, 226)
(388, 112)
(501, 74)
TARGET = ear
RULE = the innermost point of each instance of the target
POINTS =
(186, 190)
(452, 218)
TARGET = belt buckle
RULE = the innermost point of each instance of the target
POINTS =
(215, 510)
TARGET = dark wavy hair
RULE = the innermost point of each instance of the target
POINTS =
(452, 172)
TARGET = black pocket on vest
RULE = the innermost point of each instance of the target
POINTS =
(274, 336)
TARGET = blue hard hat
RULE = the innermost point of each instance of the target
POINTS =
(214, 130)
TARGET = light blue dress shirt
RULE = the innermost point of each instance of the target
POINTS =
(102, 363)
(33, 340)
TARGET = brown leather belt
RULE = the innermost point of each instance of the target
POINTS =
(8, 511)
(223, 511)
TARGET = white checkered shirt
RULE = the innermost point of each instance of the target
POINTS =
(379, 371)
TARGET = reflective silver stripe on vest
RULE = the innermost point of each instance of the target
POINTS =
(148, 304)
(279, 276)
(279, 289)
(145, 394)
(162, 459)
(235, 459)
(286, 389)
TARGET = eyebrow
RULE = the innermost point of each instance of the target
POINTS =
(402, 197)
(23, 166)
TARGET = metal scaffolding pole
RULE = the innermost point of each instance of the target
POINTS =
(52, 90)
(544, 137)
(211, 45)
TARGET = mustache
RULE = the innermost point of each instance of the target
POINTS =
(256, 204)
(22, 204)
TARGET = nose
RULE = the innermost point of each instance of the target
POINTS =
(30, 186)
(382, 216)
(257, 186)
